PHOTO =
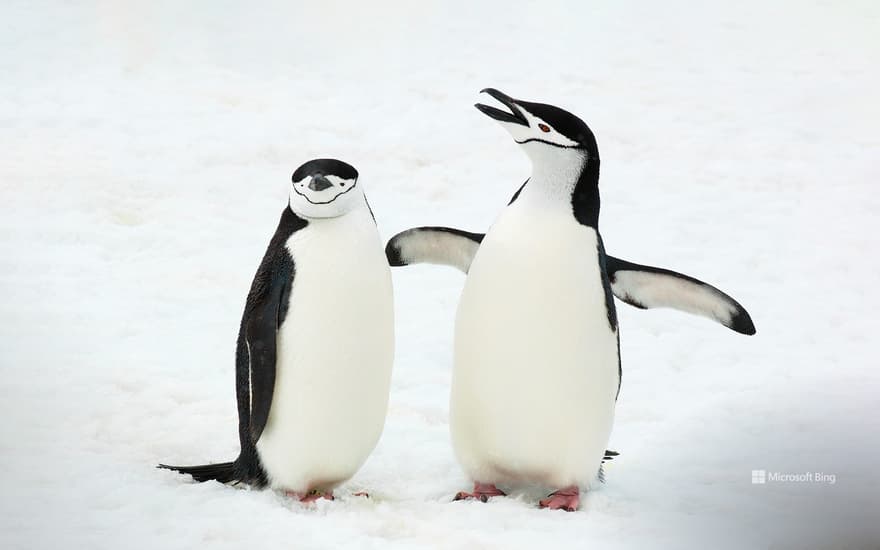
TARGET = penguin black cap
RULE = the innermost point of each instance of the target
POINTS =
(325, 167)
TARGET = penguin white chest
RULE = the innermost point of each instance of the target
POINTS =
(335, 351)
(536, 359)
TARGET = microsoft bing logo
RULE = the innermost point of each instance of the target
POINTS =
(763, 477)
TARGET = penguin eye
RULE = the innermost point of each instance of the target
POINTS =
(544, 128)
(341, 184)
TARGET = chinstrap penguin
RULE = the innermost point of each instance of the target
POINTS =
(316, 343)
(536, 363)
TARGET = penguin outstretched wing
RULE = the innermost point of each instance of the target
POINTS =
(641, 286)
(434, 245)
(646, 287)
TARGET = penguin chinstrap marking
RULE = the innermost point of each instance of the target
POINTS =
(536, 363)
(316, 343)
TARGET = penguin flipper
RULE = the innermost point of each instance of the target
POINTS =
(255, 366)
(648, 287)
(437, 245)
(264, 311)
(434, 245)
(260, 332)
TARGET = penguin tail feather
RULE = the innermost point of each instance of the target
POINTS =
(223, 472)
(609, 455)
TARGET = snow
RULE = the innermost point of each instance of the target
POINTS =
(147, 149)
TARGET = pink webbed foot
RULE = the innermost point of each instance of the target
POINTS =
(311, 496)
(566, 499)
(361, 494)
(482, 491)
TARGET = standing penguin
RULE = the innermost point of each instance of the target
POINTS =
(316, 343)
(537, 364)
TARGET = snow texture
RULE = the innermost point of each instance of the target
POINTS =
(146, 155)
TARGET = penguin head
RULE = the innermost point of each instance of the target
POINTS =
(324, 188)
(538, 126)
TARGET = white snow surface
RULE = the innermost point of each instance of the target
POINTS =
(146, 156)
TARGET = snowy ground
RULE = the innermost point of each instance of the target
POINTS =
(146, 151)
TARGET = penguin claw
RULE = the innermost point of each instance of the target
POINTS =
(311, 496)
(482, 492)
(566, 499)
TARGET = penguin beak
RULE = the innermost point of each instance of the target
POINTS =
(319, 183)
(515, 116)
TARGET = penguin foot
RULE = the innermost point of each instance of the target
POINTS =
(566, 499)
(361, 494)
(311, 496)
(482, 491)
